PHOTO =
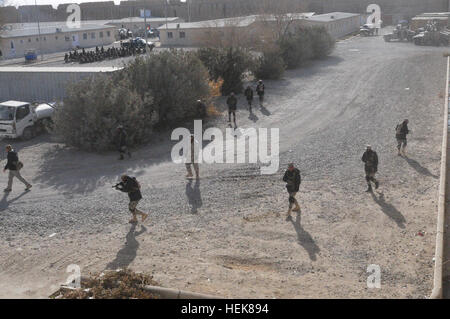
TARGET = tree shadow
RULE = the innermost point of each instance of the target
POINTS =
(75, 171)
(4, 202)
(389, 210)
(304, 238)
(419, 168)
(128, 252)
(194, 195)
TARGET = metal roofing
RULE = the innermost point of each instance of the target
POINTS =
(91, 69)
(332, 16)
(51, 29)
(226, 22)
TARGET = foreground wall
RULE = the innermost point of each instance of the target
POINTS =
(42, 84)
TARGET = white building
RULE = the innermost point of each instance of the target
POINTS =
(338, 24)
(200, 33)
(16, 40)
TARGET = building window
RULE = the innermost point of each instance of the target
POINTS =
(67, 38)
(45, 39)
(182, 34)
(170, 35)
(84, 36)
(73, 38)
(108, 34)
(101, 34)
(29, 40)
(37, 39)
(93, 35)
(12, 45)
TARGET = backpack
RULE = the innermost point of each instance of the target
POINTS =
(137, 183)
(398, 129)
(16, 161)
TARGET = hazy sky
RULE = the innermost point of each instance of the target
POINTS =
(54, 3)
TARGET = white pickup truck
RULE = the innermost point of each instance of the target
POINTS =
(22, 119)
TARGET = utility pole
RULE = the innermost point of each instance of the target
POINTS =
(189, 9)
(39, 30)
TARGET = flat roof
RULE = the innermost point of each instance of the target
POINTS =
(332, 16)
(13, 103)
(31, 69)
(139, 19)
(51, 29)
(228, 22)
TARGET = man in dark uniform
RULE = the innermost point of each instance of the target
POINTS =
(293, 179)
(131, 186)
(249, 96)
(232, 103)
(400, 134)
(370, 158)
(260, 90)
(201, 109)
(14, 165)
(122, 141)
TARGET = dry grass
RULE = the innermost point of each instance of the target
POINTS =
(120, 284)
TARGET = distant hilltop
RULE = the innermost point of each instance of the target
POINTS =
(212, 9)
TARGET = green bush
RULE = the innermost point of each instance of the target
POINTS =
(160, 90)
(270, 65)
(296, 48)
(94, 108)
(322, 42)
(228, 64)
(175, 79)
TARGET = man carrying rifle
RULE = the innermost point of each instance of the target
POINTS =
(131, 186)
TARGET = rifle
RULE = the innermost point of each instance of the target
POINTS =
(117, 185)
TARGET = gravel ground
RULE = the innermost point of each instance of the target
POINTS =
(227, 234)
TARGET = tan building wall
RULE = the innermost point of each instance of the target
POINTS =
(13, 47)
(339, 27)
(195, 37)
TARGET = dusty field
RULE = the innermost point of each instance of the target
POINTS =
(227, 234)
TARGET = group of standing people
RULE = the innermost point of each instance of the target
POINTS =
(232, 100)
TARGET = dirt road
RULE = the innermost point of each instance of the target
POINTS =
(227, 235)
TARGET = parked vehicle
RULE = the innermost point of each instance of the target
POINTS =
(24, 120)
(400, 33)
(30, 56)
(367, 30)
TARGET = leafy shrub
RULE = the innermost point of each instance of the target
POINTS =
(160, 90)
(296, 48)
(270, 65)
(322, 42)
(175, 80)
(228, 64)
(94, 108)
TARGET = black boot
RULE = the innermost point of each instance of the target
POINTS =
(369, 188)
(377, 184)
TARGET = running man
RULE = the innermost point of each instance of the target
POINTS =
(370, 158)
(14, 165)
(260, 90)
(249, 96)
(400, 134)
(293, 179)
(232, 103)
(131, 186)
(193, 162)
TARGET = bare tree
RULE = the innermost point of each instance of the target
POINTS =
(278, 17)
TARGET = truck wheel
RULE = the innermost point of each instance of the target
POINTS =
(27, 134)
